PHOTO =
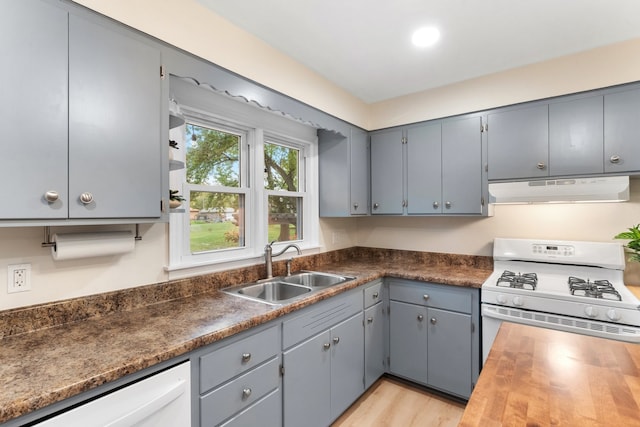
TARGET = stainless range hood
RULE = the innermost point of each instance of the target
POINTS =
(572, 190)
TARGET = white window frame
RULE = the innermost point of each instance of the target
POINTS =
(255, 129)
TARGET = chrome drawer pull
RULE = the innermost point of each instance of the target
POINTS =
(434, 321)
(420, 317)
(246, 357)
(246, 393)
(425, 297)
(326, 346)
(336, 340)
(51, 196)
(375, 295)
(370, 320)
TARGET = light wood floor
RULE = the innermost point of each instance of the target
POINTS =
(391, 403)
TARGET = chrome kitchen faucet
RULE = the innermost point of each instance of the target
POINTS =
(268, 256)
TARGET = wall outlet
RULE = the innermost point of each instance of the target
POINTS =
(19, 278)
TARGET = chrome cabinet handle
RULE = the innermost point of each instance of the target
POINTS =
(436, 205)
(375, 295)
(86, 198)
(376, 205)
(246, 357)
(614, 159)
(447, 205)
(355, 206)
(425, 297)
(420, 317)
(540, 165)
(370, 320)
(246, 393)
(434, 320)
(51, 196)
(336, 340)
(326, 346)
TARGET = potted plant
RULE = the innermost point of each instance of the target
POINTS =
(174, 145)
(175, 199)
(633, 246)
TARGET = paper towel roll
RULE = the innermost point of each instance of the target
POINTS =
(87, 245)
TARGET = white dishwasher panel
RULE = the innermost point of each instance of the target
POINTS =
(161, 400)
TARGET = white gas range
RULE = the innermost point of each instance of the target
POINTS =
(566, 285)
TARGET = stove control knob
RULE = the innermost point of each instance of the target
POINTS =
(613, 315)
(501, 299)
(591, 311)
(518, 301)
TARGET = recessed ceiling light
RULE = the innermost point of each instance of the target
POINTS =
(425, 36)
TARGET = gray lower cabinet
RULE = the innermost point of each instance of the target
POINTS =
(82, 107)
(239, 383)
(374, 333)
(434, 335)
(344, 173)
(323, 374)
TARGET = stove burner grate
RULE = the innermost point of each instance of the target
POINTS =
(522, 281)
(597, 289)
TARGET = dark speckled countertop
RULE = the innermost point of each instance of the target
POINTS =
(54, 351)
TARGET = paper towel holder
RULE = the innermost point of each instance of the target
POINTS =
(48, 243)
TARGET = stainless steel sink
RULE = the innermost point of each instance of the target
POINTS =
(285, 289)
(315, 279)
(272, 292)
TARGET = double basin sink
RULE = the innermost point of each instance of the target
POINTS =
(286, 289)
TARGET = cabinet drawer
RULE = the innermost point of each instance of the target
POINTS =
(240, 393)
(225, 363)
(320, 318)
(432, 295)
(373, 294)
(265, 413)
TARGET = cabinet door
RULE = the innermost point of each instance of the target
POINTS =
(347, 364)
(114, 123)
(373, 344)
(462, 166)
(518, 143)
(307, 382)
(333, 173)
(33, 111)
(576, 137)
(386, 172)
(449, 352)
(424, 169)
(621, 137)
(408, 341)
(359, 172)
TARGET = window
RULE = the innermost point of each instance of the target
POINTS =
(216, 185)
(248, 180)
(282, 181)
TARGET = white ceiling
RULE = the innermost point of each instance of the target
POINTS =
(364, 46)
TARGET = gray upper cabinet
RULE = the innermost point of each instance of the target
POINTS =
(387, 176)
(621, 136)
(82, 115)
(344, 173)
(424, 169)
(33, 111)
(114, 123)
(430, 168)
(462, 179)
(518, 143)
(576, 137)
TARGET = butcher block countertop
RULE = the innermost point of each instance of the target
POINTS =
(542, 377)
(57, 350)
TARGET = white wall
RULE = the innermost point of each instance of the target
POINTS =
(188, 25)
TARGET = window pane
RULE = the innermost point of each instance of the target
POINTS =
(216, 221)
(280, 167)
(213, 157)
(285, 218)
